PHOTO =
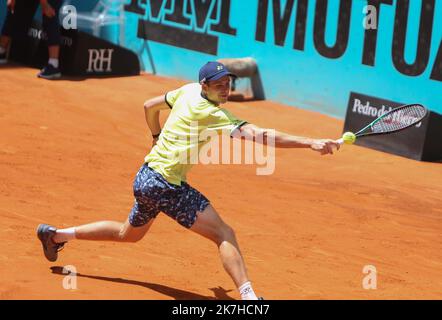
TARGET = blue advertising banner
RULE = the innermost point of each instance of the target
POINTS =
(310, 53)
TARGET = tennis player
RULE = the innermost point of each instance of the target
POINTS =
(160, 184)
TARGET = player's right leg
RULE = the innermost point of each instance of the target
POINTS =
(107, 231)
(53, 240)
(146, 191)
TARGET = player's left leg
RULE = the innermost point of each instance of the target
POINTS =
(210, 225)
(192, 210)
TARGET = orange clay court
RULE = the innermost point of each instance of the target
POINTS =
(69, 151)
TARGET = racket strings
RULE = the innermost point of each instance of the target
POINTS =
(399, 119)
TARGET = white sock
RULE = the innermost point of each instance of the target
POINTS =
(247, 292)
(2, 50)
(53, 62)
(64, 235)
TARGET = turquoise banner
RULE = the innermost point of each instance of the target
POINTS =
(310, 54)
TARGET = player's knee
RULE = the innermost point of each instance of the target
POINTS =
(125, 236)
(226, 233)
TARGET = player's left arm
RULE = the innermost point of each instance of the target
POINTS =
(152, 108)
(284, 140)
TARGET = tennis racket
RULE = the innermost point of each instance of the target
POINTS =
(395, 120)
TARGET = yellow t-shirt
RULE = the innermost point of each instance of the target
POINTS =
(191, 114)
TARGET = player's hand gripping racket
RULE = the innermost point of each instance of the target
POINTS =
(395, 120)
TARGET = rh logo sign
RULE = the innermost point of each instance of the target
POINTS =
(100, 60)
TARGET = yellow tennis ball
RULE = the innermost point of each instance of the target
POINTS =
(349, 137)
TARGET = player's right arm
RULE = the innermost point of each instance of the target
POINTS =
(284, 140)
(152, 108)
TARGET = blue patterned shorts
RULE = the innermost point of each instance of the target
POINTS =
(153, 193)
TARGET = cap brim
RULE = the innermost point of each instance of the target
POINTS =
(221, 74)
